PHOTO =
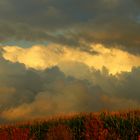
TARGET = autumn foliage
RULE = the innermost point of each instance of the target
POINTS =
(83, 126)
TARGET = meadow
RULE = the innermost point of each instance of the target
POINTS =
(83, 126)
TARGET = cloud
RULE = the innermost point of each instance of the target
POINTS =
(29, 93)
(69, 22)
(42, 57)
(91, 61)
(17, 85)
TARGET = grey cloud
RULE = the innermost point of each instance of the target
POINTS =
(29, 90)
(25, 83)
(102, 21)
(123, 85)
(129, 84)
(41, 93)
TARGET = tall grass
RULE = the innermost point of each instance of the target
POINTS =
(83, 126)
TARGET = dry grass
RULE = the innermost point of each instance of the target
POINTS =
(83, 126)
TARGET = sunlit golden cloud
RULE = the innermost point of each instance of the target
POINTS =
(42, 57)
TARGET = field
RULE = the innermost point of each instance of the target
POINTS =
(82, 126)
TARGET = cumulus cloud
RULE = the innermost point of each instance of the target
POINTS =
(42, 57)
(30, 93)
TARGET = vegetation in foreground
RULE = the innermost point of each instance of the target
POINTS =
(83, 126)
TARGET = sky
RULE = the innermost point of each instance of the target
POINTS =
(68, 56)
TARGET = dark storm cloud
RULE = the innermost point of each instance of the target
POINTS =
(68, 22)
